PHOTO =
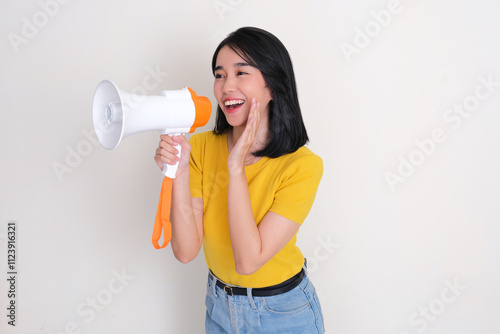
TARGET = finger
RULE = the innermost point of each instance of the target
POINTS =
(253, 108)
(168, 154)
(178, 138)
(248, 134)
(160, 159)
(255, 118)
(163, 160)
(166, 151)
(159, 163)
(169, 140)
(168, 146)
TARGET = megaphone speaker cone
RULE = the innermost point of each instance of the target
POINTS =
(107, 114)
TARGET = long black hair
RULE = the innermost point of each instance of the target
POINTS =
(265, 52)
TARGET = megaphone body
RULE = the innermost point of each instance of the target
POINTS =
(118, 114)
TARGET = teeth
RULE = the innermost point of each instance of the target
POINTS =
(233, 102)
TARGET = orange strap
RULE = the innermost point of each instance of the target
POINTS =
(162, 221)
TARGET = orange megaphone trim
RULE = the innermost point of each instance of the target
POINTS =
(162, 221)
(203, 108)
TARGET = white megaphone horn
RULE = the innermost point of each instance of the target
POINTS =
(118, 114)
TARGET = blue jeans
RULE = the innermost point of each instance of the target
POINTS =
(295, 311)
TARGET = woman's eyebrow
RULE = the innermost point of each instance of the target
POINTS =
(241, 64)
(219, 67)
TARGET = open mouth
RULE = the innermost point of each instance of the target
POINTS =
(232, 105)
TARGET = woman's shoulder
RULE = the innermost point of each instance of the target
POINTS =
(302, 161)
(303, 155)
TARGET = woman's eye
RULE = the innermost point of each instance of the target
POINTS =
(218, 76)
(241, 73)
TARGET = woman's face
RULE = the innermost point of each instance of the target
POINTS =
(236, 84)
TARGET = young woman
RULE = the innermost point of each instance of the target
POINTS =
(243, 190)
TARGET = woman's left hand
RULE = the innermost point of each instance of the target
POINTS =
(236, 160)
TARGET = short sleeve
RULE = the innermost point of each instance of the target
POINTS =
(295, 195)
(196, 166)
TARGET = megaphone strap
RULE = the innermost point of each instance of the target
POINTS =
(162, 221)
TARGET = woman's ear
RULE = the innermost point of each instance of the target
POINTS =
(270, 93)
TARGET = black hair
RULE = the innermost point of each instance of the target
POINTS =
(264, 51)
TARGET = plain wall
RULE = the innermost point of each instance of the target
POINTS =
(400, 98)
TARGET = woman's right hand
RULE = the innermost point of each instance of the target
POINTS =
(167, 153)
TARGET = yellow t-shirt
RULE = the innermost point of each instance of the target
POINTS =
(286, 185)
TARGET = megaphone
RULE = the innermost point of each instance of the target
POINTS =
(118, 114)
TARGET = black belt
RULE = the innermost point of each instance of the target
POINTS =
(277, 289)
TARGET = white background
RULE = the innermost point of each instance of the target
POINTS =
(371, 85)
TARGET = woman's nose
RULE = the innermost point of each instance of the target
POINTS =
(229, 85)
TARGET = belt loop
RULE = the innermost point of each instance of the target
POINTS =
(250, 298)
(305, 266)
(214, 285)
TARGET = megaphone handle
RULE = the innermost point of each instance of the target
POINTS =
(171, 170)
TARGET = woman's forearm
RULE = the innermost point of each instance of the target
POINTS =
(186, 237)
(243, 231)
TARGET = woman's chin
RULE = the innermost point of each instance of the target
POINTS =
(236, 120)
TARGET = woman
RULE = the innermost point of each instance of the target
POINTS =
(243, 190)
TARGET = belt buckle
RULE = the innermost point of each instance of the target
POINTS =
(229, 290)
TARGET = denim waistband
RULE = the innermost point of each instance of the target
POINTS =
(273, 290)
